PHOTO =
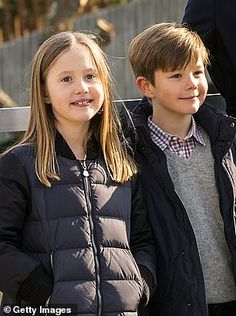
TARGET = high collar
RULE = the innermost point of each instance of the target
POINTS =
(63, 149)
(220, 128)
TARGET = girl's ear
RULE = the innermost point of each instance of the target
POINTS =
(145, 87)
(46, 97)
(47, 100)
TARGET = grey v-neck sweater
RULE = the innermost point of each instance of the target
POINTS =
(194, 182)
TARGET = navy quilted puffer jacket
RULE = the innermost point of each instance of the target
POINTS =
(71, 242)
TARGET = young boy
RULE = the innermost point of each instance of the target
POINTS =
(186, 153)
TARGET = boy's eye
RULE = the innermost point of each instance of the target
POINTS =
(176, 76)
(67, 79)
(198, 72)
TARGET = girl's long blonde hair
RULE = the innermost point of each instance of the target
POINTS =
(106, 127)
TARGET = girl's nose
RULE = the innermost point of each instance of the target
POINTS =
(81, 88)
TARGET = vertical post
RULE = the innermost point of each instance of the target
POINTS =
(21, 14)
(7, 21)
(102, 3)
(88, 6)
(1, 35)
(47, 5)
(36, 15)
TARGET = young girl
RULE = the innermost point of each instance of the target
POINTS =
(70, 209)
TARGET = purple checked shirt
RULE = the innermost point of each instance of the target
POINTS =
(181, 147)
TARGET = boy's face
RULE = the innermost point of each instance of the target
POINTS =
(179, 92)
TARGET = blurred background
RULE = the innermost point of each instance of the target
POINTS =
(24, 24)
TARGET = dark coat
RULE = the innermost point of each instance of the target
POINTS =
(72, 241)
(180, 285)
(215, 22)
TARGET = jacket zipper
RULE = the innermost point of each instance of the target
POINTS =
(231, 180)
(178, 200)
(87, 193)
(47, 304)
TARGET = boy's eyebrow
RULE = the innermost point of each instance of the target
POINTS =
(174, 70)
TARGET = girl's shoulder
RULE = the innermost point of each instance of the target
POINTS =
(22, 149)
(15, 165)
(20, 153)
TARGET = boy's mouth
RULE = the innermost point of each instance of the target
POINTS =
(190, 97)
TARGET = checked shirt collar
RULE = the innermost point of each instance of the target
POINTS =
(181, 147)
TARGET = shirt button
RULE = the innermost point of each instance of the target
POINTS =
(189, 304)
(232, 124)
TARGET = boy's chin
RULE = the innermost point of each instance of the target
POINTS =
(195, 108)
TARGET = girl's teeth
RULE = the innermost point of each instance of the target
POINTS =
(81, 102)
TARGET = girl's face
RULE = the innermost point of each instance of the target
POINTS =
(74, 88)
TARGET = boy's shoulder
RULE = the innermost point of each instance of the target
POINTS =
(215, 122)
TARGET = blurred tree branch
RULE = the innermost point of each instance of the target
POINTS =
(61, 17)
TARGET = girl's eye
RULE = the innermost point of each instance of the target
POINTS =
(67, 79)
(90, 76)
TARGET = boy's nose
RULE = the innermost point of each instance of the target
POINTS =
(192, 82)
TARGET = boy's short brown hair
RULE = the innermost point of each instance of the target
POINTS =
(166, 47)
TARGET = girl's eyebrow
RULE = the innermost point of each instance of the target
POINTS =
(91, 69)
(66, 72)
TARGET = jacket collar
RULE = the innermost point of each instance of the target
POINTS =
(220, 128)
(63, 149)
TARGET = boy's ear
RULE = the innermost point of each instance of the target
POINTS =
(145, 87)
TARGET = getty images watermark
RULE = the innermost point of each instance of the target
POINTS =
(57, 311)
